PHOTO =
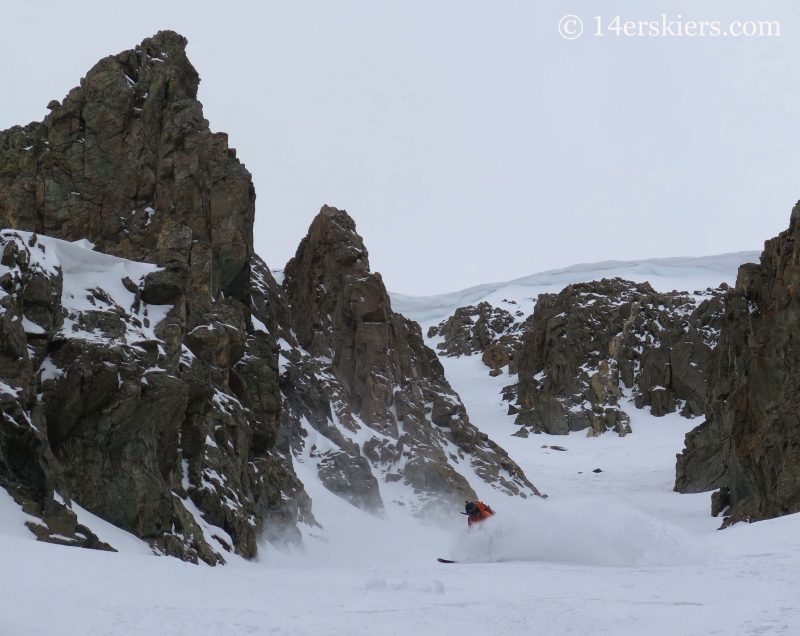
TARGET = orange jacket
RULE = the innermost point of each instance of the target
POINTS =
(485, 512)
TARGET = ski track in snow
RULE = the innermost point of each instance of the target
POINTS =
(615, 552)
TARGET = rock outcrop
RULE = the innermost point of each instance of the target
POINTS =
(153, 402)
(749, 444)
(152, 369)
(592, 340)
(585, 348)
(491, 331)
(361, 376)
(580, 349)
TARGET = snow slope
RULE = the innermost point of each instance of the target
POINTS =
(615, 552)
(664, 274)
(84, 270)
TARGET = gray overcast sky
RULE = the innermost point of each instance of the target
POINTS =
(469, 140)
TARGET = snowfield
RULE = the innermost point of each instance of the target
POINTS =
(613, 552)
(664, 274)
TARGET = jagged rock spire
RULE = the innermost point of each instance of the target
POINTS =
(380, 375)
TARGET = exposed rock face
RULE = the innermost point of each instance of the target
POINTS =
(663, 352)
(63, 366)
(568, 380)
(165, 381)
(128, 161)
(587, 342)
(363, 379)
(581, 347)
(491, 331)
(749, 444)
(156, 404)
(27, 465)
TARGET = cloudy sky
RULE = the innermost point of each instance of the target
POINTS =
(469, 140)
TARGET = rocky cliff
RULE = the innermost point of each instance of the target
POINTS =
(591, 341)
(154, 400)
(154, 372)
(361, 376)
(748, 444)
(585, 348)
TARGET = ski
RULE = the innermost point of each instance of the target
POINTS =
(440, 560)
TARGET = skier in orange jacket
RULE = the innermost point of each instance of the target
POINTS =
(476, 512)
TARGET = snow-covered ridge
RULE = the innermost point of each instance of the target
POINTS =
(664, 274)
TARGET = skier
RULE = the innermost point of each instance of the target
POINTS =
(476, 512)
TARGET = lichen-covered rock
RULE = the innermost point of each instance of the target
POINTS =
(361, 376)
(749, 443)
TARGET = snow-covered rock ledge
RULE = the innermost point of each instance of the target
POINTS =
(94, 402)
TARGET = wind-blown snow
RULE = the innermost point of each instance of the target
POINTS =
(583, 530)
(615, 552)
